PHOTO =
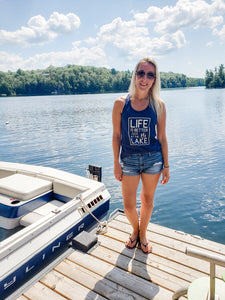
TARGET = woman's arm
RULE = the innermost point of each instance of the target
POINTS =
(116, 138)
(161, 135)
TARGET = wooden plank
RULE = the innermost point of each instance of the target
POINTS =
(119, 275)
(41, 292)
(180, 240)
(67, 287)
(94, 282)
(155, 261)
(182, 236)
(168, 251)
(156, 237)
(111, 271)
(138, 268)
(22, 298)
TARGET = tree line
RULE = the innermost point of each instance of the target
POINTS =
(216, 78)
(73, 79)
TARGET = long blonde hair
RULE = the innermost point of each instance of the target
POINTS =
(154, 91)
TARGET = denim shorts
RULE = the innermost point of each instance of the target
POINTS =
(148, 163)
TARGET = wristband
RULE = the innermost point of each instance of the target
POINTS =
(166, 166)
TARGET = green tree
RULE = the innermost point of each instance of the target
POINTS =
(215, 79)
(73, 79)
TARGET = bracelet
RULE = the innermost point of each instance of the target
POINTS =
(166, 166)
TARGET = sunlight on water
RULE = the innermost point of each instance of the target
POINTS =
(71, 132)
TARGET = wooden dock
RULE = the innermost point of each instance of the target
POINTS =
(110, 271)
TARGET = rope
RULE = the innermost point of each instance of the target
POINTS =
(102, 226)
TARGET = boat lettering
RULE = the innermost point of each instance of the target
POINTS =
(43, 256)
(55, 247)
(81, 227)
(28, 269)
(69, 236)
(6, 285)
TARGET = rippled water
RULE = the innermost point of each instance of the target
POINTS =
(70, 132)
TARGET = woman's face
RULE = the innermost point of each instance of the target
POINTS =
(145, 76)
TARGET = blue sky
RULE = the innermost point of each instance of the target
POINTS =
(184, 36)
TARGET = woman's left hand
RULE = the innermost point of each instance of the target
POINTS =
(165, 175)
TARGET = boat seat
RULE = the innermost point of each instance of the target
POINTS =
(6, 172)
(40, 212)
(67, 189)
(24, 187)
(30, 218)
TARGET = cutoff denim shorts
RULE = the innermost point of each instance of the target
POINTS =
(148, 163)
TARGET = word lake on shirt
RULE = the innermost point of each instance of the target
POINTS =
(139, 131)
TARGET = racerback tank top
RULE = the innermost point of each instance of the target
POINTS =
(138, 130)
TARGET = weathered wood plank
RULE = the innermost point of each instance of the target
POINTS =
(138, 268)
(156, 237)
(22, 298)
(111, 271)
(153, 261)
(41, 292)
(139, 284)
(95, 282)
(67, 287)
(181, 236)
(169, 252)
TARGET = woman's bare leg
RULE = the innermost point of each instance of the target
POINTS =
(129, 191)
(149, 184)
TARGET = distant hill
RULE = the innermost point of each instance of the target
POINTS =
(74, 79)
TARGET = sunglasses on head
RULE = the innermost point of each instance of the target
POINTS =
(141, 74)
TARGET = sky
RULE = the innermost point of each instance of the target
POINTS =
(183, 36)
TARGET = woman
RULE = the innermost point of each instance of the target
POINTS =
(140, 147)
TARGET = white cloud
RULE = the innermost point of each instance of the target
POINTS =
(60, 23)
(133, 40)
(40, 30)
(78, 55)
(7, 59)
(218, 6)
(161, 30)
(185, 14)
(209, 44)
(155, 32)
(119, 32)
(220, 32)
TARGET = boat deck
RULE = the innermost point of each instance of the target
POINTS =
(110, 271)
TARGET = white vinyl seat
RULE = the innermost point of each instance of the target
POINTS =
(24, 187)
(40, 212)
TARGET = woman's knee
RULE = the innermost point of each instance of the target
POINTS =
(129, 206)
(147, 200)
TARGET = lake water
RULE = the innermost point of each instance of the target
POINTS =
(71, 132)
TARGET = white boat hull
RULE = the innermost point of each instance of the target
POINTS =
(23, 253)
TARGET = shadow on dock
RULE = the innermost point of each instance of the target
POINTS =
(122, 283)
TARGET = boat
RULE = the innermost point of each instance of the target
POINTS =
(46, 209)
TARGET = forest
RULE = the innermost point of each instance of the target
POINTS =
(216, 78)
(73, 79)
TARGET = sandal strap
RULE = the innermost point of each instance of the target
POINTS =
(134, 240)
(146, 245)
(132, 243)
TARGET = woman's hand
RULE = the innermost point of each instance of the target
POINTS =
(118, 171)
(165, 175)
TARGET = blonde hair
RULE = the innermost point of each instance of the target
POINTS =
(154, 91)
